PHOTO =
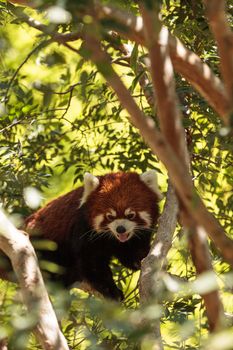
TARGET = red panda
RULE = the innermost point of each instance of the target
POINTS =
(110, 216)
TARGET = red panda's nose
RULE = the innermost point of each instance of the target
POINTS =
(120, 229)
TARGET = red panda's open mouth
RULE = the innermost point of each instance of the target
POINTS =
(123, 237)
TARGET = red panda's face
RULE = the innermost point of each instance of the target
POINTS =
(122, 225)
(121, 204)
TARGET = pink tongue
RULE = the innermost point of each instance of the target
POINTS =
(123, 237)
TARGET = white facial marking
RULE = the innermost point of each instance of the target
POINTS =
(150, 179)
(128, 225)
(128, 211)
(111, 214)
(146, 217)
(130, 214)
(98, 221)
(91, 182)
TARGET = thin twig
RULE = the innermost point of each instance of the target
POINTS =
(42, 44)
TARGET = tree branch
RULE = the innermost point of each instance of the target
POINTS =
(185, 62)
(216, 14)
(16, 245)
(46, 29)
(153, 265)
(157, 38)
(202, 262)
(131, 26)
(200, 76)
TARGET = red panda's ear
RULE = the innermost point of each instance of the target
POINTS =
(150, 179)
(91, 182)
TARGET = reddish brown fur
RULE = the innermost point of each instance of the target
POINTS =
(120, 191)
(55, 220)
(116, 190)
(71, 226)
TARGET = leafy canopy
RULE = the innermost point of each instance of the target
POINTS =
(59, 119)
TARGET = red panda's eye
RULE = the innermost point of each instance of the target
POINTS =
(110, 217)
(131, 216)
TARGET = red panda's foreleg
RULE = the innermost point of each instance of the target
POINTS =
(99, 275)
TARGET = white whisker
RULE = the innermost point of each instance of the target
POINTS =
(87, 233)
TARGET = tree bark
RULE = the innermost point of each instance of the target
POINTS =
(154, 264)
(16, 245)
(150, 283)
(216, 14)
(202, 262)
(201, 77)
(161, 68)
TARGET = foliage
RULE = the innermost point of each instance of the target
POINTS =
(59, 119)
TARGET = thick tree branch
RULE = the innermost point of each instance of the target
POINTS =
(131, 26)
(170, 118)
(16, 245)
(216, 14)
(200, 76)
(157, 38)
(153, 265)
